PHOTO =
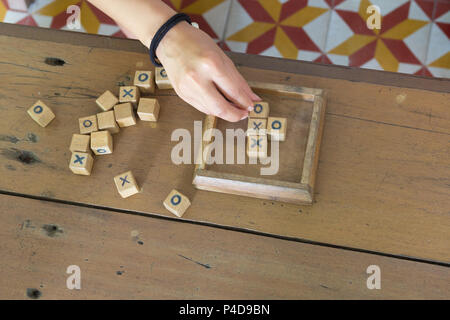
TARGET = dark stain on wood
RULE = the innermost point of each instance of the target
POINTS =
(123, 80)
(10, 167)
(56, 62)
(32, 137)
(26, 224)
(33, 293)
(52, 230)
(26, 157)
(7, 138)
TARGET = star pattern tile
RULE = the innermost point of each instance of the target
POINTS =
(414, 36)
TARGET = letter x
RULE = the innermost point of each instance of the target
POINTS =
(257, 125)
(127, 93)
(79, 159)
(124, 180)
(256, 142)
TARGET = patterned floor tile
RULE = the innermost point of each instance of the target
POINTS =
(438, 56)
(294, 29)
(3, 10)
(414, 34)
(211, 15)
(399, 45)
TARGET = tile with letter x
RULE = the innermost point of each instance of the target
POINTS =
(129, 94)
(81, 163)
(126, 184)
(176, 203)
(256, 126)
(257, 146)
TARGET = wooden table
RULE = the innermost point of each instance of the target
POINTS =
(382, 190)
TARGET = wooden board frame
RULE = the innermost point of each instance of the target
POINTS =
(263, 188)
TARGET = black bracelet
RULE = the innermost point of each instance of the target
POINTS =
(162, 32)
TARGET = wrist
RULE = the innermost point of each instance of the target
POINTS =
(169, 47)
(150, 28)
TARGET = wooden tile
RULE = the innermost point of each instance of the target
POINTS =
(148, 109)
(260, 110)
(176, 203)
(276, 128)
(40, 113)
(129, 94)
(107, 101)
(124, 115)
(81, 163)
(101, 142)
(262, 149)
(126, 184)
(257, 146)
(256, 126)
(209, 123)
(88, 124)
(80, 143)
(161, 79)
(107, 121)
(145, 81)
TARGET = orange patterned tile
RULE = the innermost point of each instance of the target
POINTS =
(327, 31)
(280, 28)
(399, 45)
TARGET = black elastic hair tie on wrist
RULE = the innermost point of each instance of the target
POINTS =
(162, 32)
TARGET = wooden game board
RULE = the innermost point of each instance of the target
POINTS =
(299, 154)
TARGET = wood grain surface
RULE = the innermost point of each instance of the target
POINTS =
(124, 256)
(382, 181)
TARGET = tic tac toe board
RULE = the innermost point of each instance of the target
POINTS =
(294, 180)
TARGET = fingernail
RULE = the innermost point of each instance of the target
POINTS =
(250, 108)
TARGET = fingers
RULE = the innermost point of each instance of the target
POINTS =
(250, 92)
(242, 82)
(233, 91)
(219, 107)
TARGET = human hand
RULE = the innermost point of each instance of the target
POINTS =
(203, 76)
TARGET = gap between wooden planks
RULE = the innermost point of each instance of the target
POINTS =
(381, 181)
(132, 257)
